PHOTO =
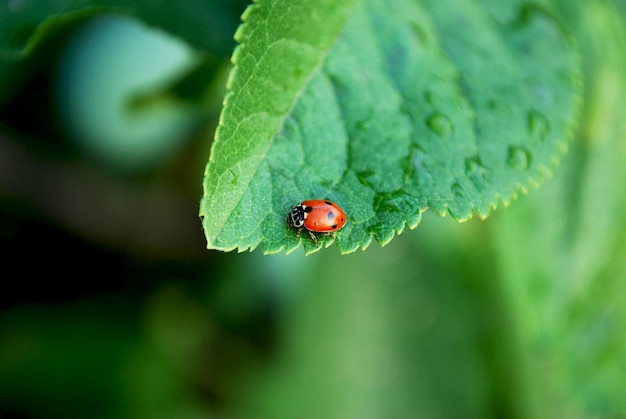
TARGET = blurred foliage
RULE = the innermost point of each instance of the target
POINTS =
(111, 307)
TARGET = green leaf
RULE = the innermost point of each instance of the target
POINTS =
(33, 29)
(449, 105)
(562, 252)
(206, 25)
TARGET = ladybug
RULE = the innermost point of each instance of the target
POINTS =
(317, 216)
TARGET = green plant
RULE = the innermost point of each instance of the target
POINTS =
(389, 108)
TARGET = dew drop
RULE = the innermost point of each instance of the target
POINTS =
(499, 107)
(477, 172)
(231, 177)
(419, 33)
(538, 125)
(440, 124)
(473, 166)
(367, 177)
(361, 125)
(431, 98)
(420, 165)
(418, 159)
(458, 191)
(519, 158)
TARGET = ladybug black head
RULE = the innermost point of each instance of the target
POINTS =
(296, 217)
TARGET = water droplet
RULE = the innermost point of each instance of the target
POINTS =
(419, 33)
(473, 165)
(230, 177)
(500, 107)
(367, 177)
(458, 191)
(538, 125)
(477, 172)
(431, 98)
(418, 159)
(440, 124)
(519, 158)
(362, 125)
(419, 165)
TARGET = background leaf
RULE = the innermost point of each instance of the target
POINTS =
(449, 106)
(562, 252)
(206, 25)
(36, 29)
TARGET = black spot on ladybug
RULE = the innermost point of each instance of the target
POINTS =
(308, 209)
(328, 203)
(334, 226)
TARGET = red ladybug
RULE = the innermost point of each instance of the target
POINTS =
(317, 216)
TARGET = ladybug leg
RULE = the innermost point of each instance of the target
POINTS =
(313, 237)
(298, 232)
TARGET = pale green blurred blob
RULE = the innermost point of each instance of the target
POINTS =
(112, 91)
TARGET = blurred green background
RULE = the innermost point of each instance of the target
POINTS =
(112, 307)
